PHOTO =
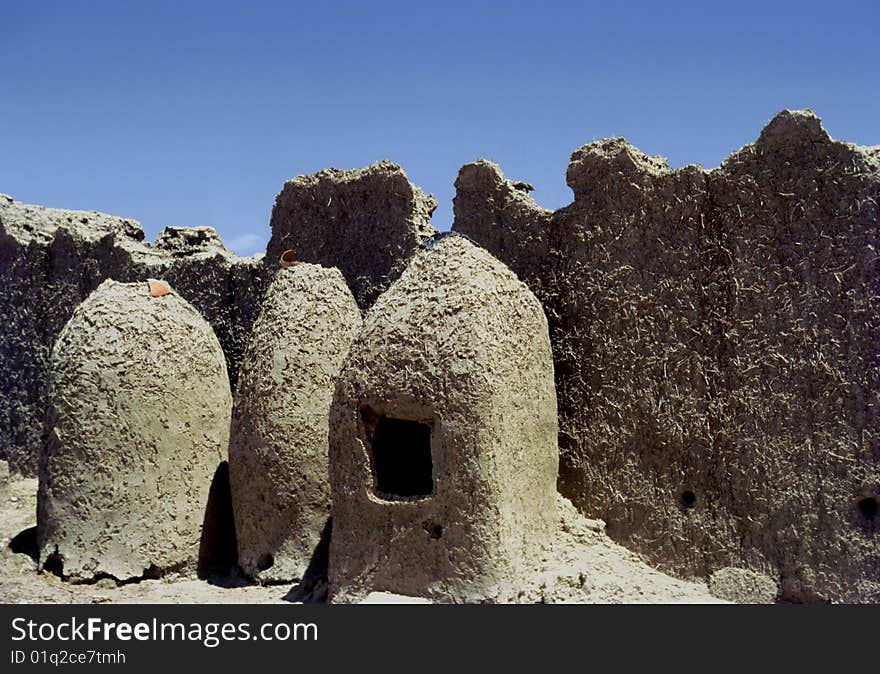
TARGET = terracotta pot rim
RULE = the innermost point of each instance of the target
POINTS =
(288, 258)
(157, 288)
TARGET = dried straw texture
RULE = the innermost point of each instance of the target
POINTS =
(366, 222)
(714, 334)
(52, 259)
(138, 426)
(278, 446)
(460, 345)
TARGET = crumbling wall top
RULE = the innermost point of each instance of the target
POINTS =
(180, 241)
(597, 161)
(27, 222)
(366, 222)
(798, 137)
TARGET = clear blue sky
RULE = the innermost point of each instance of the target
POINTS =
(190, 113)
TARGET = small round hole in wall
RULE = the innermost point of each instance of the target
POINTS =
(688, 499)
(433, 529)
(868, 507)
(265, 562)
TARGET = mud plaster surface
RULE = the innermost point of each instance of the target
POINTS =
(714, 335)
(278, 456)
(51, 259)
(776, 468)
(583, 565)
(138, 425)
(366, 222)
(459, 344)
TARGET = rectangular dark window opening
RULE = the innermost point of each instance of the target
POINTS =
(402, 464)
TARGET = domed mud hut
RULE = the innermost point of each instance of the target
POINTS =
(443, 434)
(278, 446)
(138, 425)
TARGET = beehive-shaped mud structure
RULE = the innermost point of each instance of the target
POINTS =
(51, 259)
(278, 446)
(714, 337)
(443, 434)
(138, 426)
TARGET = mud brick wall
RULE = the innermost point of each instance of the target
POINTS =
(714, 336)
(52, 259)
(714, 332)
(366, 222)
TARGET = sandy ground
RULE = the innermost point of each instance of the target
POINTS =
(584, 566)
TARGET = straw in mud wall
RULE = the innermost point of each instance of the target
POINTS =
(443, 455)
(366, 222)
(278, 445)
(138, 426)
